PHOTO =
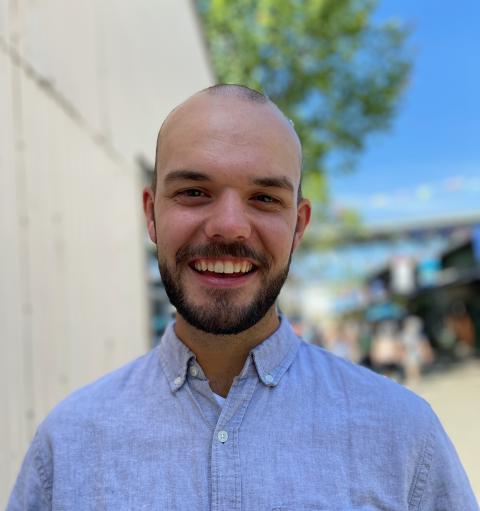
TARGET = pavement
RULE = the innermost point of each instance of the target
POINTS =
(454, 394)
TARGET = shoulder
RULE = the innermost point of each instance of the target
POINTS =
(112, 395)
(385, 422)
(80, 425)
(363, 391)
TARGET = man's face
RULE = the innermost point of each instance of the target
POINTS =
(225, 215)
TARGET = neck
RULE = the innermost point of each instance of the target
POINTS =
(222, 357)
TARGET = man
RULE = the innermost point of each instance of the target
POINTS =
(232, 411)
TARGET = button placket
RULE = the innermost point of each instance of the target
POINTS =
(225, 465)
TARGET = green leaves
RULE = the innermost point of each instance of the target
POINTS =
(333, 70)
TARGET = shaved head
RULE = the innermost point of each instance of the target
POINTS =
(234, 93)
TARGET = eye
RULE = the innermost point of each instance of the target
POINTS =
(190, 196)
(192, 192)
(267, 199)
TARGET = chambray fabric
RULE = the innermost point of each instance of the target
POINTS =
(299, 430)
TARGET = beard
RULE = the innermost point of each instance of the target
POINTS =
(221, 316)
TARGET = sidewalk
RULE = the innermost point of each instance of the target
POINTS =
(455, 397)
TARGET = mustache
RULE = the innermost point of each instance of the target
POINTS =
(219, 250)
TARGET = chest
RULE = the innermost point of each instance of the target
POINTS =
(248, 457)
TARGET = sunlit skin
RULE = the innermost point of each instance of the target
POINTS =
(228, 170)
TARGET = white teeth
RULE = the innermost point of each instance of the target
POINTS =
(223, 266)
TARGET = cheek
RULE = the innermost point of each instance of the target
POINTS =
(277, 238)
(175, 229)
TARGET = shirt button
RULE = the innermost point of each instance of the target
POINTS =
(193, 371)
(222, 436)
(269, 378)
(177, 381)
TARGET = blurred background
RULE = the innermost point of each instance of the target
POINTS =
(384, 96)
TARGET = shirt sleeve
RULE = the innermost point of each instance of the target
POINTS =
(32, 490)
(442, 484)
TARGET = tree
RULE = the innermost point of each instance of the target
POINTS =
(333, 70)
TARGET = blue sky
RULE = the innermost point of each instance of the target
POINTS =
(428, 164)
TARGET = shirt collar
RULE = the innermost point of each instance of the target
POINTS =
(174, 357)
(271, 358)
(274, 355)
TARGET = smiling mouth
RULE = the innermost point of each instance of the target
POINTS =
(222, 267)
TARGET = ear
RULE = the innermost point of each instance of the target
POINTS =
(304, 211)
(149, 210)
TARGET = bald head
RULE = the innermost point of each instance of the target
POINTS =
(228, 107)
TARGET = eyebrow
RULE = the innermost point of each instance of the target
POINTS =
(195, 175)
(190, 175)
(274, 182)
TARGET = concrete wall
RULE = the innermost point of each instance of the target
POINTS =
(83, 89)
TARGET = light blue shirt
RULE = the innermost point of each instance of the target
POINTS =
(299, 430)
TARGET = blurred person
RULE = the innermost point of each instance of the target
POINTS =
(317, 336)
(446, 340)
(417, 351)
(365, 339)
(459, 321)
(232, 410)
(337, 342)
(352, 336)
(298, 325)
(386, 351)
(343, 341)
(310, 333)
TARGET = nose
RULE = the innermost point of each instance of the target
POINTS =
(228, 219)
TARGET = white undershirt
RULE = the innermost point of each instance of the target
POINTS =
(219, 399)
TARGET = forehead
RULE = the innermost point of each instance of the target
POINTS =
(210, 133)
